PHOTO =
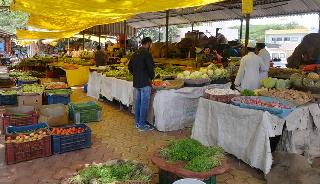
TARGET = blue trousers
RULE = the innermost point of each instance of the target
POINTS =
(142, 105)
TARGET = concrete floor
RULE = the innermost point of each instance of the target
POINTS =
(114, 138)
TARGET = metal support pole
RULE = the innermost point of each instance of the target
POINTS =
(68, 44)
(241, 27)
(319, 22)
(167, 33)
(159, 30)
(99, 34)
(192, 27)
(83, 40)
(247, 30)
(125, 37)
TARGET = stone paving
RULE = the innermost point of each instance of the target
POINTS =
(114, 138)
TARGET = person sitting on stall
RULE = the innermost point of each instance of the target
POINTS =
(251, 66)
(207, 58)
(99, 57)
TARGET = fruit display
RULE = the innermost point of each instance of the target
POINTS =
(167, 84)
(198, 158)
(68, 66)
(306, 81)
(76, 61)
(22, 138)
(293, 96)
(117, 171)
(120, 72)
(167, 71)
(8, 92)
(261, 103)
(32, 88)
(218, 92)
(86, 55)
(19, 73)
(27, 78)
(282, 73)
(67, 131)
(275, 83)
(58, 91)
(56, 85)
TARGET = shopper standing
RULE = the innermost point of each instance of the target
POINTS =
(99, 57)
(265, 55)
(141, 66)
(251, 66)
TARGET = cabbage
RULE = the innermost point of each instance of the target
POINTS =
(269, 82)
(211, 67)
(186, 73)
(218, 72)
(180, 76)
(210, 72)
(281, 84)
(203, 70)
(205, 76)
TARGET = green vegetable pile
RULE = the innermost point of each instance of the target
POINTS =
(247, 92)
(8, 92)
(59, 91)
(120, 72)
(167, 71)
(120, 171)
(32, 88)
(27, 78)
(198, 157)
(19, 73)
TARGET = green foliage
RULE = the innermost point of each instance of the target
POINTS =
(198, 157)
(153, 33)
(258, 31)
(184, 149)
(11, 20)
(247, 92)
(120, 171)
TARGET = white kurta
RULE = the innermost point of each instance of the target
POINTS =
(248, 76)
(265, 55)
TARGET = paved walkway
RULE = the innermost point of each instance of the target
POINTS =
(115, 137)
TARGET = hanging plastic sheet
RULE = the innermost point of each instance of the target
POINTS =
(70, 15)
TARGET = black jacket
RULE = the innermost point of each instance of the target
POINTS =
(141, 66)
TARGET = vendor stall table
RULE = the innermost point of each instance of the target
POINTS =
(111, 88)
(245, 133)
(176, 109)
(78, 76)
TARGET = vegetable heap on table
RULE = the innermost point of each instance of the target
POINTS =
(293, 96)
(120, 72)
(261, 103)
(275, 83)
(56, 85)
(311, 80)
(198, 157)
(247, 92)
(19, 73)
(105, 173)
(27, 78)
(59, 91)
(32, 88)
(8, 92)
(167, 71)
(217, 91)
(169, 84)
(21, 138)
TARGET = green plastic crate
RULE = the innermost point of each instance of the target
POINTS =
(85, 112)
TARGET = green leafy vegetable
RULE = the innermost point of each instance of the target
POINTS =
(247, 92)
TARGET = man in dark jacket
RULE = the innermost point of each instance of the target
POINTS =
(141, 66)
(99, 57)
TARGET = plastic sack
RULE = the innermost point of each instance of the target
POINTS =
(54, 115)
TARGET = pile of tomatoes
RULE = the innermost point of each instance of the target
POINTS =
(67, 131)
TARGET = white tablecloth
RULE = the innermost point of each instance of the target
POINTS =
(245, 133)
(111, 88)
(176, 109)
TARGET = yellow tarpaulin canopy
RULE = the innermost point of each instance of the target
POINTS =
(70, 16)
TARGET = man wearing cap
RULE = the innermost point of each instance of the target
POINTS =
(265, 55)
(251, 66)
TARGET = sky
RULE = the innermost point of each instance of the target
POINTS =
(310, 21)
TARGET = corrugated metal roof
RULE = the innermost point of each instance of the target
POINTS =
(111, 29)
(227, 10)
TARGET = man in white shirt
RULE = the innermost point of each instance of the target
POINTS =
(251, 66)
(265, 55)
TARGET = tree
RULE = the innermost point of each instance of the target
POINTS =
(258, 31)
(11, 20)
(153, 33)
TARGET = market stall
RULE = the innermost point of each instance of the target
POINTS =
(246, 132)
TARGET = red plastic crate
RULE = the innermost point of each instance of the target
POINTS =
(19, 152)
(31, 118)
